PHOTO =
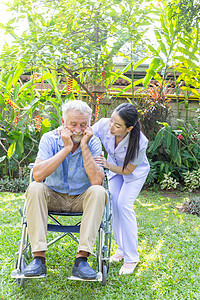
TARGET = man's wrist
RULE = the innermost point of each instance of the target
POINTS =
(84, 145)
(67, 148)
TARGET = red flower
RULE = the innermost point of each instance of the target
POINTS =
(180, 137)
(16, 120)
(38, 123)
(12, 104)
(69, 85)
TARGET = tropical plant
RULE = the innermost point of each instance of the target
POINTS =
(24, 117)
(192, 180)
(16, 185)
(192, 206)
(177, 150)
(168, 182)
(177, 38)
(153, 173)
(153, 107)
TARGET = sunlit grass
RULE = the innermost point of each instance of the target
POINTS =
(169, 265)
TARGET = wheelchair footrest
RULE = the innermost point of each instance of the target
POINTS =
(98, 278)
(16, 274)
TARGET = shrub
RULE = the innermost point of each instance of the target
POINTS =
(17, 185)
(153, 174)
(178, 150)
(169, 182)
(192, 206)
(154, 107)
(192, 180)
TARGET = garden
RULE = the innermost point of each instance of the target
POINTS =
(106, 53)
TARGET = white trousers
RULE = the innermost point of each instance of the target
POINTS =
(123, 196)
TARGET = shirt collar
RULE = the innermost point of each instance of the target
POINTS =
(122, 145)
(124, 142)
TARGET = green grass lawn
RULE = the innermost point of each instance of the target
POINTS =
(169, 246)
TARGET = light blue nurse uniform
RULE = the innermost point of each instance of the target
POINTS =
(124, 189)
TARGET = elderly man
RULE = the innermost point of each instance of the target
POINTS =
(67, 178)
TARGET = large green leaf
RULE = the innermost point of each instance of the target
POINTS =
(139, 62)
(9, 84)
(128, 87)
(16, 91)
(178, 159)
(153, 50)
(151, 71)
(187, 62)
(55, 87)
(158, 140)
(2, 103)
(20, 143)
(11, 150)
(188, 52)
(47, 75)
(168, 136)
(27, 85)
(195, 92)
(159, 40)
(19, 71)
(174, 148)
(163, 25)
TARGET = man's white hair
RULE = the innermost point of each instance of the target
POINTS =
(78, 105)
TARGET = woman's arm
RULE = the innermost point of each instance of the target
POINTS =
(101, 160)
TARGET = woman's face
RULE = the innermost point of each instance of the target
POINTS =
(117, 125)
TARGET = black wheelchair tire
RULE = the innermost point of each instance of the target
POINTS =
(104, 273)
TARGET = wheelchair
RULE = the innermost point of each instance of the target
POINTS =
(103, 241)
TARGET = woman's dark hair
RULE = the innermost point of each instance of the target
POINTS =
(129, 114)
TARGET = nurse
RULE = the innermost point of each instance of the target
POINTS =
(128, 168)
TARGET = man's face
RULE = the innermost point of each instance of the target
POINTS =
(77, 123)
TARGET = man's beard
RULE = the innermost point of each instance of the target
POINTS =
(76, 138)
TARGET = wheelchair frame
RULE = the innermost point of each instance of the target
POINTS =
(103, 240)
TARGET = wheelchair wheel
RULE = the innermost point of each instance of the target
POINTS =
(20, 281)
(104, 273)
(103, 244)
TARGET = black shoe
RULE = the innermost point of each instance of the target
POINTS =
(84, 271)
(35, 268)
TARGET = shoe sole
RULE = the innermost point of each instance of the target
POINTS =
(77, 273)
(130, 270)
(98, 278)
